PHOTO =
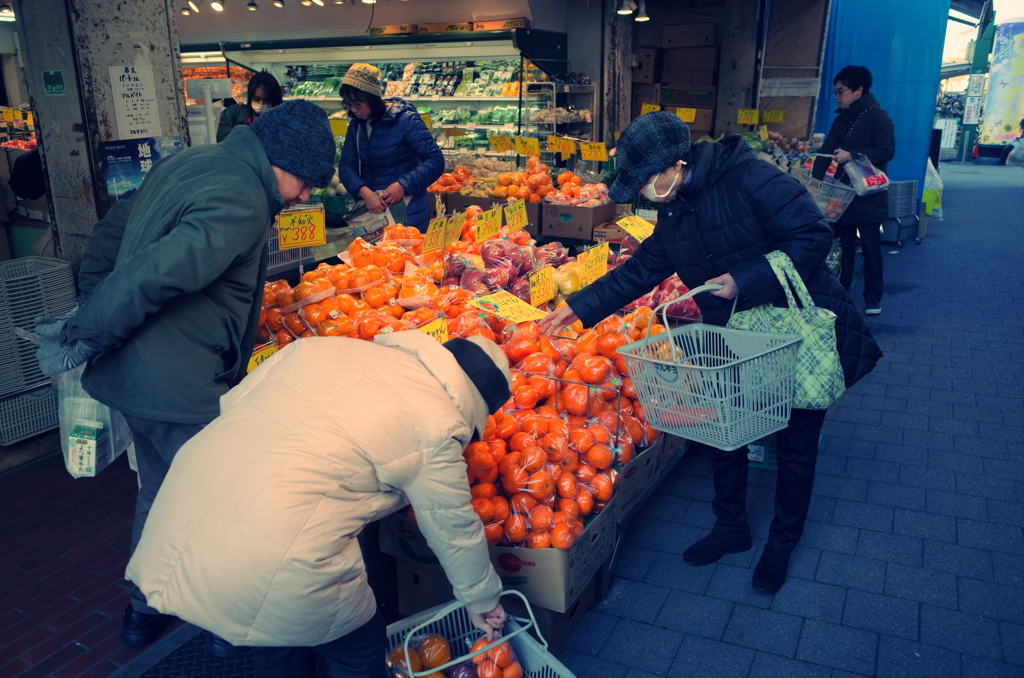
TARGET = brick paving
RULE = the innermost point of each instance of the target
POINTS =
(912, 563)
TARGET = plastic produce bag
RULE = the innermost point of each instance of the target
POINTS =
(835, 258)
(91, 434)
(865, 178)
(931, 196)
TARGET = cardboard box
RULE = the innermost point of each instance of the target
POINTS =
(421, 586)
(688, 97)
(401, 29)
(5, 246)
(672, 450)
(455, 202)
(690, 58)
(551, 578)
(608, 233)
(501, 25)
(647, 69)
(555, 626)
(637, 478)
(445, 28)
(704, 121)
(689, 35)
(688, 77)
(563, 221)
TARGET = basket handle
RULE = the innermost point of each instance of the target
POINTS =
(664, 310)
(455, 605)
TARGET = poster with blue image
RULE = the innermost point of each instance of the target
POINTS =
(126, 162)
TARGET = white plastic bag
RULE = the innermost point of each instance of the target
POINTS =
(91, 434)
(931, 196)
(865, 178)
(1016, 156)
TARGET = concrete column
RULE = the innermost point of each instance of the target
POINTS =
(736, 64)
(83, 39)
(616, 85)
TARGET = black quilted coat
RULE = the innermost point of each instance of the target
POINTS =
(733, 210)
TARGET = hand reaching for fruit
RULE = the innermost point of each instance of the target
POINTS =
(491, 622)
(557, 319)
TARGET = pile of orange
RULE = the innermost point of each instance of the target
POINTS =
(498, 662)
(451, 182)
(531, 185)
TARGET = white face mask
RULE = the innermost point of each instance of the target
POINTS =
(260, 108)
(652, 195)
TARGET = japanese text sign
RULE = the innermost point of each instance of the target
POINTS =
(593, 264)
(639, 228)
(301, 228)
(508, 306)
(515, 216)
(595, 150)
(488, 224)
(542, 285)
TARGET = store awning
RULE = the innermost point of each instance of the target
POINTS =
(952, 70)
(972, 8)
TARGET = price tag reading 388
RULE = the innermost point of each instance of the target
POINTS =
(303, 228)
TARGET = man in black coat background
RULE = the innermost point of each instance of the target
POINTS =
(861, 127)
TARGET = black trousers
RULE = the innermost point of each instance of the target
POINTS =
(797, 454)
(360, 654)
(871, 250)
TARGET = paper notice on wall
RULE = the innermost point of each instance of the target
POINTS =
(972, 111)
(135, 101)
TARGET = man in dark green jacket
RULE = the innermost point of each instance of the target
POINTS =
(171, 292)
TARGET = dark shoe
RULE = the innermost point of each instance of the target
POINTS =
(140, 629)
(221, 648)
(872, 309)
(717, 544)
(770, 573)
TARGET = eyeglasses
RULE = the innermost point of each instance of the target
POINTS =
(840, 91)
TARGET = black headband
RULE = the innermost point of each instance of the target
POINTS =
(481, 370)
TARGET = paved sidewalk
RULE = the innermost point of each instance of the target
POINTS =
(912, 563)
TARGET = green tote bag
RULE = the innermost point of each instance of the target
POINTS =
(819, 375)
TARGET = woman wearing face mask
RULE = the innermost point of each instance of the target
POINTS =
(722, 210)
(264, 94)
(389, 157)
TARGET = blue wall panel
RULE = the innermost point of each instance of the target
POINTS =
(901, 42)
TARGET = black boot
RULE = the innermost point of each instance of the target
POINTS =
(770, 573)
(717, 544)
(221, 648)
(141, 629)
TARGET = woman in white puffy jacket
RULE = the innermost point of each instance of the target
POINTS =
(253, 533)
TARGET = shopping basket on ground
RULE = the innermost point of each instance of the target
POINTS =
(723, 387)
(831, 199)
(452, 622)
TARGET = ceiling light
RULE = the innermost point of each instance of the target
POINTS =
(624, 8)
(218, 5)
(339, 2)
(369, 2)
(642, 14)
(252, 6)
(278, 3)
(185, 11)
(194, 5)
(5, 8)
(307, 3)
(318, 3)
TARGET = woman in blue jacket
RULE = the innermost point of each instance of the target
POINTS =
(388, 149)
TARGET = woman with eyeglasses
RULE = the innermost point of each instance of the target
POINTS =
(861, 127)
(389, 157)
(264, 94)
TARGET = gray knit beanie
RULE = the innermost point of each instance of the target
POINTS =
(297, 138)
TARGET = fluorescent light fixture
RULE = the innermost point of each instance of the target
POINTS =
(194, 5)
(6, 18)
(252, 6)
(318, 3)
(307, 3)
(5, 8)
(642, 14)
(369, 2)
(218, 5)
(185, 11)
(624, 8)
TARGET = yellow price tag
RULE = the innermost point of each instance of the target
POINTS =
(500, 144)
(438, 329)
(687, 115)
(18, 115)
(8, 115)
(488, 224)
(259, 355)
(508, 306)
(773, 116)
(593, 264)
(527, 146)
(638, 227)
(747, 116)
(454, 229)
(339, 128)
(515, 216)
(425, 117)
(301, 228)
(762, 132)
(542, 285)
(595, 150)
(561, 145)
(649, 108)
(434, 239)
(30, 119)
